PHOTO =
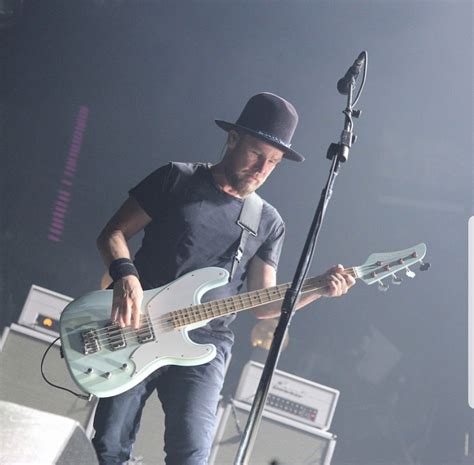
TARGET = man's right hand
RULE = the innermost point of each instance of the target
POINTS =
(127, 302)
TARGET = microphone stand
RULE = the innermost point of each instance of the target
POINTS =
(338, 153)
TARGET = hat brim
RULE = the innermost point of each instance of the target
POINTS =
(287, 152)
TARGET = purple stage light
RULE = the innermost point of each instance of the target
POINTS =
(64, 195)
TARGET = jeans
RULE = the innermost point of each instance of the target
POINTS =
(189, 396)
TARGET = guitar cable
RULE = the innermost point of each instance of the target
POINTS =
(80, 396)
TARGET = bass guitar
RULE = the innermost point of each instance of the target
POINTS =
(105, 359)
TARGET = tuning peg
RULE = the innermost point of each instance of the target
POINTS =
(396, 280)
(410, 273)
(425, 266)
(383, 287)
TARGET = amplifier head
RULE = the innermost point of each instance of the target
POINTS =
(42, 309)
(296, 398)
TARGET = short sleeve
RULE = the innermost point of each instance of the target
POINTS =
(270, 250)
(150, 193)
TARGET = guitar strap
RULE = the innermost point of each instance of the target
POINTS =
(249, 220)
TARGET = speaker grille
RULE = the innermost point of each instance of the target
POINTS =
(21, 381)
(276, 441)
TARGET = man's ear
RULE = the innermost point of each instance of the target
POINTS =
(232, 139)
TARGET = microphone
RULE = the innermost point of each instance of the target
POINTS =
(344, 84)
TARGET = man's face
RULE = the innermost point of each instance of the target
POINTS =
(249, 162)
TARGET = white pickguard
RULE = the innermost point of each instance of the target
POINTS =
(175, 347)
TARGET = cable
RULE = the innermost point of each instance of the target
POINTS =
(80, 396)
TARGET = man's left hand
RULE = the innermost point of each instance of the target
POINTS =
(339, 281)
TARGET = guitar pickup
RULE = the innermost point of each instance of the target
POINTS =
(145, 333)
(116, 337)
(90, 340)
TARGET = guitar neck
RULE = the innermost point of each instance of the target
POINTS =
(246, 301)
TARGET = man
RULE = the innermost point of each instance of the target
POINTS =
(189, 213)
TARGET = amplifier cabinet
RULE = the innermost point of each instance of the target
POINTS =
(21, 350)
(290, 396)
(279, 440)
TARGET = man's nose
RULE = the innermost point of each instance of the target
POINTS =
(260, 165)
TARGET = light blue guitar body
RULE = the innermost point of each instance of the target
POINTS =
(106, 362)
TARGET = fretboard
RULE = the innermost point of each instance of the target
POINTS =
(216, 308)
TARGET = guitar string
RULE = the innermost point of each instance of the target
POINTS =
(121, 334)
(221, 304)
(117, 334)
(180, 321)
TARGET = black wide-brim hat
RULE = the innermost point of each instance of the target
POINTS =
(270, 118)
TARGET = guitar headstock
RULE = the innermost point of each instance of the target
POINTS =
(381, 265)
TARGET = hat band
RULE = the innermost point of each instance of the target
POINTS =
(273, 138)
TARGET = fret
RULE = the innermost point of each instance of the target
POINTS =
(281, 291)
(202, 311)
(230, 305)
(241, 303)
(227, 306)
(182, 316)
(246, 299)
(175, 319)
(216, 310)
(210, 309)
(178, 318)
(261, 296)
(214, 307)
(188, 316)
(184, 313)
(207, 310)
(270, 297)
(196, 313)
(252, 299)
(235, 305)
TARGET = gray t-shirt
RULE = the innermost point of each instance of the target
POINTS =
(194, 226)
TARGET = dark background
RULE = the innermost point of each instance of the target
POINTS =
(154, 75)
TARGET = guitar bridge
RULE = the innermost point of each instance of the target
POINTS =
(90, 341)
(115, 336)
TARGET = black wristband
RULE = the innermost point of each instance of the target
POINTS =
(122, 267)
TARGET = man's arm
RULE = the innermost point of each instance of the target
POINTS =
(112, 244)
(261, 275)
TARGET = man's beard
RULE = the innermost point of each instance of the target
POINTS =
(242, 184)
